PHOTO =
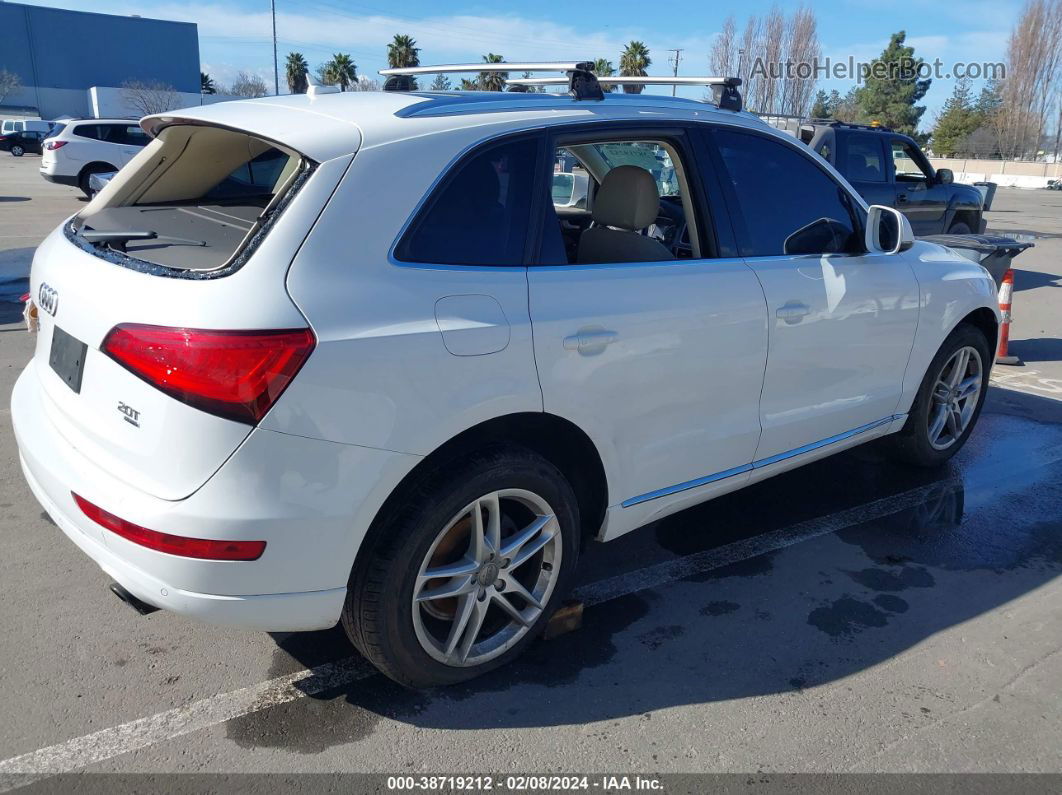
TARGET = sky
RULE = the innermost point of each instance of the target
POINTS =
(236, 34)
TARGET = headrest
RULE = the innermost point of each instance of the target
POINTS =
(627, 199)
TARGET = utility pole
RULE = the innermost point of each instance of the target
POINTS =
(276, 65)
(674, 59)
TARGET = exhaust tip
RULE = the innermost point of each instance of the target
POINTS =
(139, 606)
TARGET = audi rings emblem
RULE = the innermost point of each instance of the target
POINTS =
(48, 299)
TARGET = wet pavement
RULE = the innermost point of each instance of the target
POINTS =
(869, 609)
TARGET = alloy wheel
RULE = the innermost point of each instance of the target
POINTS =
(954, 398)
(487, 577)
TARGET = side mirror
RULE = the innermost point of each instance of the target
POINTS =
(888, 230)
(945, 176)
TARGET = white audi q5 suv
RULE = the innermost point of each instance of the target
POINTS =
(340, 357)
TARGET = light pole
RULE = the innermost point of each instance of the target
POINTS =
(674, 60)
(276, 65)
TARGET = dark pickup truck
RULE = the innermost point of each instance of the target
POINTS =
(888, 168)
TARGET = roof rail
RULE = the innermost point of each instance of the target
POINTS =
(581, 80)
(724, 89)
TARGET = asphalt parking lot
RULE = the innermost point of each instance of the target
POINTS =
(850, 616)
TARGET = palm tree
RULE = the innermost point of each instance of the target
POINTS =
(529, 89)
(403, 51)
(493, 81)
(634, 60)
(207, 84)
(469, 85)
(295, 69)
(341, 71)
(603, 68)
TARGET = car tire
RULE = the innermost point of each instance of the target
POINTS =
(394, 612)
(87, 172)
(923, 442)
(17, 151)
(959, 228)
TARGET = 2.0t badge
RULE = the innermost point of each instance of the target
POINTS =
(129, 414)
(48, 299)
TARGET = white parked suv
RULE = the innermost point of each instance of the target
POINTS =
(323, 358)
(78, 149)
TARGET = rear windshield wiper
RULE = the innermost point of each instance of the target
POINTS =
(95, 236)
(121, 237)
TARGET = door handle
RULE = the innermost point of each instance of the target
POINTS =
(793, 312)
(901, 198)
(590, 341)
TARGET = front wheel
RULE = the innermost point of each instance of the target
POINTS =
(949, 401)
(467, 571)
(17, 150)
(959, 228)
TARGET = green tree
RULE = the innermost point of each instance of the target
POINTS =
(990, 100)
(893, 87)
(528, 89)
(634, 60)
(821, 108)
(958, 119)
(295, 69)
(340, 71)
(845, 108)
(441, 83)
(469, 85)
(493, 81)
(603, 68)
(403, 51)
(207, 84)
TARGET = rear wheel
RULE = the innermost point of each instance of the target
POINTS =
(948, 402)
(467, 571)
(959, 228)
(88, 171)
(17, 150)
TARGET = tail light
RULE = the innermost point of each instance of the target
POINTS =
(201, 548)
(234, 374)
(51, 146)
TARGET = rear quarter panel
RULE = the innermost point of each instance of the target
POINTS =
(382, 375)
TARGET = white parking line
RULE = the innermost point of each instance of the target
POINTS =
(108, 743)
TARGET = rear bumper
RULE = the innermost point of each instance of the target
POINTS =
(290, 612)
(59, 179)
(309, 500)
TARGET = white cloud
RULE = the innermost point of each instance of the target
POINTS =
(444, 38)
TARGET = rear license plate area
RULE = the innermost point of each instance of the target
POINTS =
(67, 358)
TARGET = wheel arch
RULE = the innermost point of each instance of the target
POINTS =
(984, 320)
(556, 439)
(85, 169)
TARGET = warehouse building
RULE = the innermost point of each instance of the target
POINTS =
(59, 54)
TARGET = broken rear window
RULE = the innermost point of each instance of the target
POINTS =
(192, 201)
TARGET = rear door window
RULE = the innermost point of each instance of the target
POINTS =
(131, 135)
(479, 215)
(91, 131)
(866, 158)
